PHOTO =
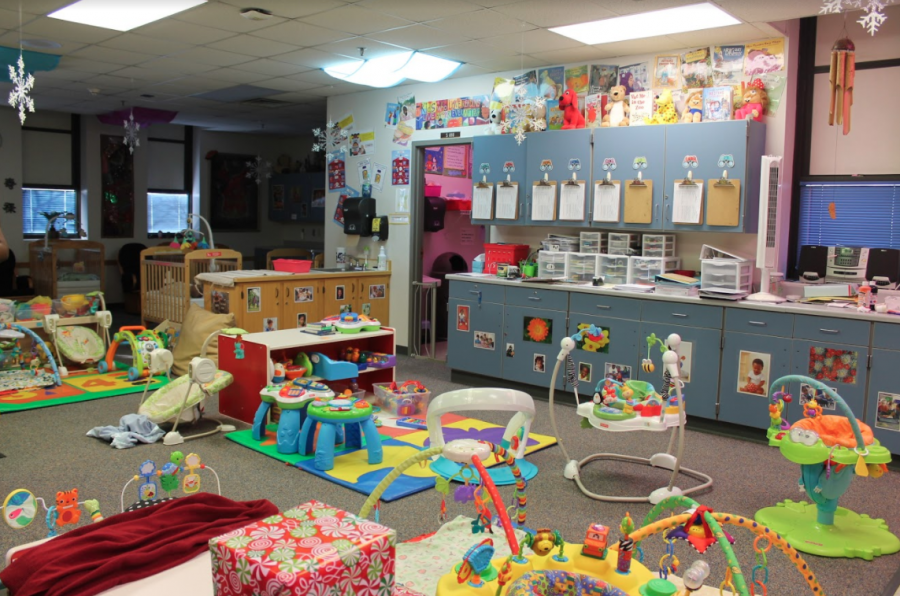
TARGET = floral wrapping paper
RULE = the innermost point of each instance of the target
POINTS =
(311, 550)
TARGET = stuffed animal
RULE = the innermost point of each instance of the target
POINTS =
(494, 122)
(617, 109)
(572, 116)
(665, 110)
(755, 102)
(693, 108)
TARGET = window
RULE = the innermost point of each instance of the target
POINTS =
(46, 200)
(850, 213)
(167, 212)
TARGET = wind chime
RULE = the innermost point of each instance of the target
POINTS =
(840, 77)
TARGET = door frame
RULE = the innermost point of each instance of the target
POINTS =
(417, 221)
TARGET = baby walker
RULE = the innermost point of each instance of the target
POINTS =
(631, 406)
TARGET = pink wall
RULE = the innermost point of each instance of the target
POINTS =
(457, 227)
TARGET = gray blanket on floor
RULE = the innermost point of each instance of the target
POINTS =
(132, 429)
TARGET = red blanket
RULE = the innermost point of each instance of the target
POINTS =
(130, 546)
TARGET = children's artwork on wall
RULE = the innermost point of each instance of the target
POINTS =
(339, 293)
(304, 294)
(728, 65)
(337, 174)
(584, 372)
(278, 197)
(376, 292)
(603, 78)
(510, 350)
(537, 330)
(593, 341)
(453, 113)
(888, 415)
(762, 57)
(117, 187)
(774, 83)
(539, 364)
(301, 320)
(634, 77)
(577, 79)
(550, 82)
(828, 364)
(407, 107)
(456, 161)
(400, 167)
(391, 114)
(696, 68)
(462, 318)
(366, 308)
(233, 197)
(686, 352)
(403, 133)
(434, 160)
(667, 72)
(254, 299)
(362, 143)
(617, 372)
(219, 300)
(271, 324)
(808, 394)
(484, 340)
(753, 373)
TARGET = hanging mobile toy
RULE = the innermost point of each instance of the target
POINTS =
(671, 344)
(21, 506)
(148, 490)
(191, 483)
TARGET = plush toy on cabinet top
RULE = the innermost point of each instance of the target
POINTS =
(665, 110)
(494, 122)
(693, 108)
(617, 109)
(755, 102)
(573, 118)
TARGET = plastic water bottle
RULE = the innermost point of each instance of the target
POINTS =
(382, 260)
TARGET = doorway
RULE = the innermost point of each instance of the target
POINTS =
(443, 238)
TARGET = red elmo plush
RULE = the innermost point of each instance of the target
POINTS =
(572, 116)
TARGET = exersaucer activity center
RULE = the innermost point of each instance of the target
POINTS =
(142, 342)
(831, 450)
(27, 379)
(632, 406)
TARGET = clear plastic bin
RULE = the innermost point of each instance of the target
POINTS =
(551, 264)
(643, 270)
(400, 404)
(581, 267)
(613, 269)
(658, 245)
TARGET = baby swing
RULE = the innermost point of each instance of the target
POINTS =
(630, 406)
(81, 345)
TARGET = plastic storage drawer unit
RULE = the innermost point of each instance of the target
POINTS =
(727, 274)
(658, 245)
(622, 243)
(551, 264)
(580, 267)
(643, 270)
(613, 269)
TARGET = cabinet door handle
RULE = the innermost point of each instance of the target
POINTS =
(758, 323)
(680, 315)
(604, 306)
(535, 298)
(831, 331)
(276, 292)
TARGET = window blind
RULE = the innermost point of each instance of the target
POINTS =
(166, 212)
(36, 200)
(865, 214)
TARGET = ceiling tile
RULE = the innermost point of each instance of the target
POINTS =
(468, 70)
(772, 10)
(301, 34)
(43, 6)
(109, 81)
(135, 95)
(419, 11)
(481, 23)
(235, 76)
(549, 14)
(189, 86)
(253, 46)
(320, 77)
(286, 84)
(350, 48)
(225, 17)
(77, 63)
(146, 45)
(650, 45)
(417, 37)
(354, 19)
(311, 57)
(56, 30)
(512, 63)
(339, 89)
(205, 55)
(531, 42)
(10, 39)
(471, 51)
(580, 54)
(111, 55)
(624, 7)
(183, 32)
(147, 75)
(291, 9)
(293, 97)
(736, 33)
(51, 103)
(63, 73)
(177, 66)
(273, 68)
(492, 3)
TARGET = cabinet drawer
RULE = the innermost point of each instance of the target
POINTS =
(759, 322)
(547, 299)
(473, 291)
(675, 313)
(606, 306)
(887, 336)
(843, 331)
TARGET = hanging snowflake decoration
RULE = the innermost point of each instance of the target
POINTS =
(131, 133)
(259, 169)
(330, 140)
(874, 10)
(524, 117)
(22, 82)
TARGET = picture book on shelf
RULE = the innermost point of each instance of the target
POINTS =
(641, 103)
(594, 105)
(717, 103)
(555, 116)
(696, 67)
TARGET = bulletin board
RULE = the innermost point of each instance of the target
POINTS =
(233, 197)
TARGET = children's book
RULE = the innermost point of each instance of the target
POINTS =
(550, 82)
(641, 103)
(717, 102)
(696, 68)
(555, 116)
(666, 73)
(594, 109)
(728, 65)
(603, 77)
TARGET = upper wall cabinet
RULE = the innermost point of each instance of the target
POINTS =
(298, 197)
(706, 150)
(554, 157)
(500, 161)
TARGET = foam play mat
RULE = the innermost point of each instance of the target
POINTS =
(77, 387)
(351, 467)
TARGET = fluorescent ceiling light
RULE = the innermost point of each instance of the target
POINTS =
(122, 15)
(694, 17)
(388, 71)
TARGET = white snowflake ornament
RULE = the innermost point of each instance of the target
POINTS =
(258, 169)
(331, 140)
(874, 10)
(524, 117)
(22, 82)
(132, 129)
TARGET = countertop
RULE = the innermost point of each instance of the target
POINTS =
(783, 307)
(314, 274)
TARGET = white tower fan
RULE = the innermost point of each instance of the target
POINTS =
(768, 237)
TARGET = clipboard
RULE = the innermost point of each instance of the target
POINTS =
(723, 202)
(599, 208)
(693, 183)
(543, 212)
(638, 202)
(505, 210)
(483, 201)
(578, 213)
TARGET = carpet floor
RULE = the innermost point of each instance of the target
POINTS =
(47, 450)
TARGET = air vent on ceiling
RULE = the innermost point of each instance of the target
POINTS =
(266, 102)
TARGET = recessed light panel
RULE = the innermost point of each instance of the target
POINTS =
(122, 15)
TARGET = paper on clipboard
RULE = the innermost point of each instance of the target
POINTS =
(508, 201)
(606, 201)
(543, 202)
(687, 203)
(571, 201)
(482, 201)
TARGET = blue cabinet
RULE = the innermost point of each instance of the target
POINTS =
(739, 401)
(479, 349)
(883, 408)
(558, 154)
(494, 157)
(836, 363)
(623, 152)
(706, 149)
(617, 358)
(535, 335)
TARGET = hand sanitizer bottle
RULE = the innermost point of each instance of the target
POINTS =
(382, 260)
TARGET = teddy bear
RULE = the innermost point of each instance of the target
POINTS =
(572, 116)
(693, 108)
(755, 102)
(665, 110)
(617, 109)
(494, 122)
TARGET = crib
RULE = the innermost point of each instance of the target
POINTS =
(67, 267)
(167, 280)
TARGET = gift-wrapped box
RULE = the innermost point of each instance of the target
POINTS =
(311, 550)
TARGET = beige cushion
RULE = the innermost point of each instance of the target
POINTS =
(198, 324)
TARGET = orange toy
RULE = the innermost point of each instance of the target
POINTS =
(836, 430)
(67, 507)
(572, 116)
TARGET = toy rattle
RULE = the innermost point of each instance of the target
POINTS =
(20, 509)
